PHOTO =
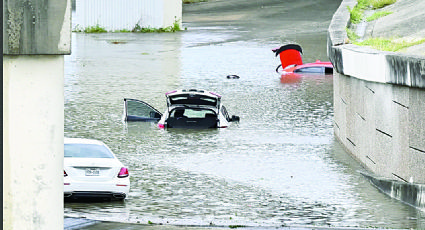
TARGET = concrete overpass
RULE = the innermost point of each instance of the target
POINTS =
(379, 101)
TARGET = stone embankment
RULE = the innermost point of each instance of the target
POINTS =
(379, 99)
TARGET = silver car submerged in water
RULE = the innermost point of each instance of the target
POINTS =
(185, 109)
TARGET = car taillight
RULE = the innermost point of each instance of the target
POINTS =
(64, 173)
(123, 172)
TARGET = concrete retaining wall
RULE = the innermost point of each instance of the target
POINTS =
(379, 109)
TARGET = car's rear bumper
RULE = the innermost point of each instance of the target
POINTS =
(94, 195)
(117, 188)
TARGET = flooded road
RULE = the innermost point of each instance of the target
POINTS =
(280, 165)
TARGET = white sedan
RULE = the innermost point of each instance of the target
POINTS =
(91, 170)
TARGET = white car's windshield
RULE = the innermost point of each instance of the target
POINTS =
(86, 151)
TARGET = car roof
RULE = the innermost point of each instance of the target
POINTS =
(68, 140)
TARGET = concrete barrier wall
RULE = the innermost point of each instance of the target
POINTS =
(126, 14)
(382, 125)
(379, 108)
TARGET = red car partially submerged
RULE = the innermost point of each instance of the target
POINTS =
(291, 62)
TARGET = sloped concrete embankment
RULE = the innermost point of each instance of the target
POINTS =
(379, 107)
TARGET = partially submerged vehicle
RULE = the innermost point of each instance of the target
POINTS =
(185, 109)
(292, 63)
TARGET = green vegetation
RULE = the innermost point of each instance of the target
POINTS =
(137, 29)
(95, 29)
(384, 44)
(174, 28)
(236, 226)
(388, 44)
(122, 31)
(377, 4)
(357, 13)
(377, 15)
(352, 36)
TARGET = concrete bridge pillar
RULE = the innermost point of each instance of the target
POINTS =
(36, 35)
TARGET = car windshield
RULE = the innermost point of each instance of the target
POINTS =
(87, 151)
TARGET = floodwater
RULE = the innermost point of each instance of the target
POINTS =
(279, 166)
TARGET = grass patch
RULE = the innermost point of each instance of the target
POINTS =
(236, 226)
(377, 15)
(377, 4)
(95, 29)
(137, 29)
(357, 12)
(174, 28)
(352, 36)
(122, 31)
(388, 44)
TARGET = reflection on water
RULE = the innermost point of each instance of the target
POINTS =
(280, 165)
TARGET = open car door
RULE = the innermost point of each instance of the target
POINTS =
(135, 110)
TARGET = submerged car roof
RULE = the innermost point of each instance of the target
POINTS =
(192, 97)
